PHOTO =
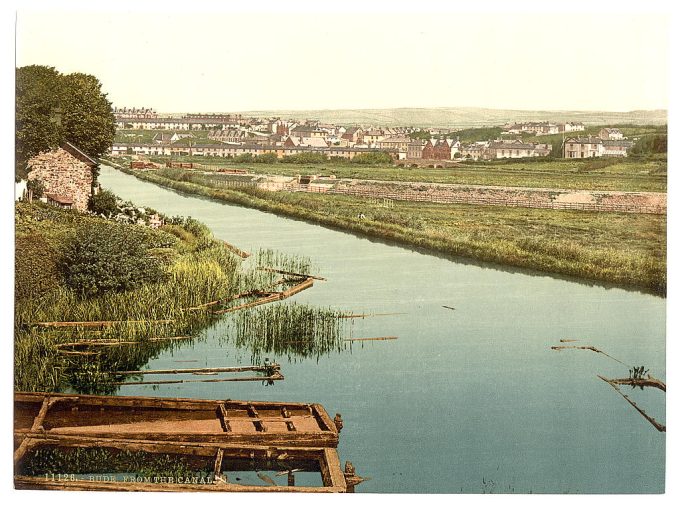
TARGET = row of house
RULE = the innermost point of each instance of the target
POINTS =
(542, 128)
(235, 150)
(587, 147)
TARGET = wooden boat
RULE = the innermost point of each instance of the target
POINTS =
(227, 438)
(175, 419)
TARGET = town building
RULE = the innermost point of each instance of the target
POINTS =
(583, 147)
(611, 134)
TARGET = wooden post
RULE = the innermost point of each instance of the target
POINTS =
(291, 478)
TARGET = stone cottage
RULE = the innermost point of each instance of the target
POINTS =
(67, 175)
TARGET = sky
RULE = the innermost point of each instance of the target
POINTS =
(179, 60)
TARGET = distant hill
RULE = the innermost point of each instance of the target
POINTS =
(463, 117)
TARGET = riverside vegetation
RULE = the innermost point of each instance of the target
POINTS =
(624, 249)
(142, 282)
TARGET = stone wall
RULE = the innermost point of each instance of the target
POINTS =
(63, 174)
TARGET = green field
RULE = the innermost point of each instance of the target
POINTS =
(636, 175)
(627, 250)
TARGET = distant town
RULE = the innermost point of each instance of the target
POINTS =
(235, 135)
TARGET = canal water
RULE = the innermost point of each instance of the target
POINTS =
(468, 400)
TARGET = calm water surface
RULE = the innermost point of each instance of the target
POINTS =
(468, 400)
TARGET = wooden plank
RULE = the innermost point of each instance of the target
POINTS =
(274, 377)
(325, 421)
(158, 402)
(41, 483)
(36, 426)
(217, 469)
(257, 422)
(100, 323)
(377, 338)
(180, 371)
(291, 273)
(332, 461)
(115, 343)
(309, 282)
(298, 440)
(222, 414)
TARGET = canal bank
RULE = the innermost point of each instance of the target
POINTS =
(570, 243)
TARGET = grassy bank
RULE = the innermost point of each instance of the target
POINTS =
(76, 267)
(623, 249)
(645, 174)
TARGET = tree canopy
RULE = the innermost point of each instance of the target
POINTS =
(52, 108)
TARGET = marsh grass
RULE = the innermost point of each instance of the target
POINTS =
(289, 330)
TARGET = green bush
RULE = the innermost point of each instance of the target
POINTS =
(305, 158)
(372, 158)
(104, 203)
(36, 267)
(110, 257)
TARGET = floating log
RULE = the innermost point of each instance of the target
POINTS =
(641, 382)
(364, 315)
(309, 282)
(115, 343)
(237, 251)
(377, 338)
(275, 377)
(587, 347)
(291, 273)
(269, 297)
(448, 307)
(101, 323)
(566, 340)
(660, 427)
(225, 369)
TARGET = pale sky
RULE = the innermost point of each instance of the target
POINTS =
(219, 61)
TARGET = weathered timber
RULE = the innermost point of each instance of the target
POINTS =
(237, 251)
(309, 282)
(162, 419)
(326, 461)
(291, 273)
(640, 382)
(116, 343)
(364, 315)
(660, 427)
(377, 338)
(180, 371)
(101, 323)
(587, 347)
(270, 297)
(264, 300)
(274, 377)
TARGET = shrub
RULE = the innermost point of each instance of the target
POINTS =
(36, 267)
(110, 257)
(378, 157)
(104, 203)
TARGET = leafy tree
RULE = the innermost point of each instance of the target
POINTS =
(38, 95)
(52, 108)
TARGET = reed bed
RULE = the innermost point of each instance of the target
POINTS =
(290, 330)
